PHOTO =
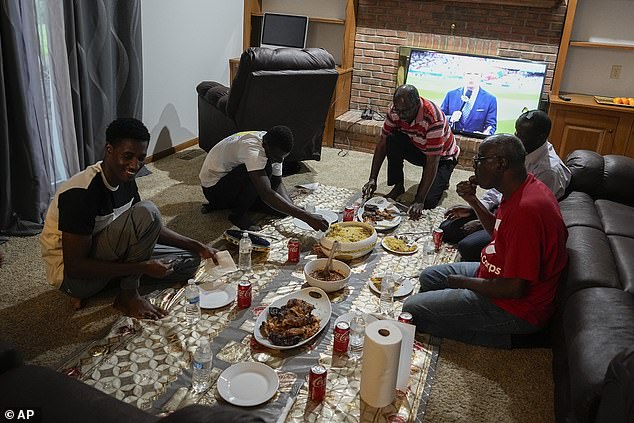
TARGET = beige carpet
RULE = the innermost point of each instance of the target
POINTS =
(472, 384)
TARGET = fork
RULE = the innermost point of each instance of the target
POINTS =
(292, 397)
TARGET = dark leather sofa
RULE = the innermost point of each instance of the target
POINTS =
(55, 398)
(292, 87)
(593, 328)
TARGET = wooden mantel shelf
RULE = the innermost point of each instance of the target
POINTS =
(526, 3)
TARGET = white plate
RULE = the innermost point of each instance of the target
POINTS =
(406, 287)
(248, 384)
(382, 204)
(323, 311)
(384, 244)
(217, 298)
(329, 215)
(347, 317)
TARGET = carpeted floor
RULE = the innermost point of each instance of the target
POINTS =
(473, 384)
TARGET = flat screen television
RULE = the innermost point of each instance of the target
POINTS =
(506, 88)
(280, 30)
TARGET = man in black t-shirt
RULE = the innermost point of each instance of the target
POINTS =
(97, 230)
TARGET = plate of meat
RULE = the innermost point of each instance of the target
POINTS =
(293, 320)
(380, 213)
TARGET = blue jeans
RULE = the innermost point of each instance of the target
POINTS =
(461, 314)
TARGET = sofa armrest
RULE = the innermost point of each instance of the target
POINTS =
(617, 393)
(212, 93)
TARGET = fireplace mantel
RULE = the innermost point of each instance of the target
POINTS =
(525, 3)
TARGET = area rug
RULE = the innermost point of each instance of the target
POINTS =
(148, 363)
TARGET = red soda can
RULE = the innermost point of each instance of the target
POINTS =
(293, 250)
(317, 383)
(341, 337)
(244, 294)
(348, 214)
(437, 235)
(406, 317)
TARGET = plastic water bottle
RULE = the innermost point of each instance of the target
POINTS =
(192, 307)
(429, 247)
(201, 366)
(357, 336)
(386, 301)
(245, 247)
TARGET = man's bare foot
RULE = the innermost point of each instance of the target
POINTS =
(78, 303)
(130, 303)
(396, 192)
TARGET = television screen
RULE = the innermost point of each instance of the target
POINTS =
(480, 95)
(279, 30)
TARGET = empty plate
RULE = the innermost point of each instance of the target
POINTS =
(329, 215)
(217, 298)
(248, 384)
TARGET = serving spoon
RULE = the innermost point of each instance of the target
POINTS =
(325, 272)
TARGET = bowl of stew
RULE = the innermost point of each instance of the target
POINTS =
(337, 278)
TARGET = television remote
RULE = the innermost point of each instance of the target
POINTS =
(565, 98)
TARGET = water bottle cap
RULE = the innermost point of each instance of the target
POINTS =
(191, 281)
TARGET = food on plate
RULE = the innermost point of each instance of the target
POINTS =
(333, 275)
(399, 244)
(291, 323)
(373, 216)
(376, 281)
(349, 233)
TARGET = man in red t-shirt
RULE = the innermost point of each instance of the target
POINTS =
(415, 130)
(512, 289)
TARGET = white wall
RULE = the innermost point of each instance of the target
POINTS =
(184, 42)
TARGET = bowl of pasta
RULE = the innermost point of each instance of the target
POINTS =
(356, 239)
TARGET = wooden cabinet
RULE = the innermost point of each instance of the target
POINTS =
(588, 48)
(581, 123)
(335, 34)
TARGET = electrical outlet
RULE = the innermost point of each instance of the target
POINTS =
(615, 73)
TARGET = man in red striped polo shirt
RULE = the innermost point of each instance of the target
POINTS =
(415, 130)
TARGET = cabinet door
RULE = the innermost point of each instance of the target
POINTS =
(580, 130)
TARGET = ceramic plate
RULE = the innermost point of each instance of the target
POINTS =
(382, 204)
(348, 317)
(385, 245)
(329, 215)
(248, 384)
(217, 298)
(314, 296)
(405, 289)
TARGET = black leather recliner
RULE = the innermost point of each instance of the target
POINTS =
(292, 87)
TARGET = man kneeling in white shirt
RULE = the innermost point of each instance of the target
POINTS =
(245, 168)
(462, 226)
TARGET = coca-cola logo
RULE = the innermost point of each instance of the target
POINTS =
(341, 336)
(319, 382)
(244, 294)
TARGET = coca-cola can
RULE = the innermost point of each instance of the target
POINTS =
(317, 383)
(341, 337)
(406, 317)
(244, 294)
(348, 214)
(293, 250)
(437, 235)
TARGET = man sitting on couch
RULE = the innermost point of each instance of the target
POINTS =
(511, 290)
(532, 128)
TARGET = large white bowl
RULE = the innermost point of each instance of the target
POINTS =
(327, 286)
(350, 250)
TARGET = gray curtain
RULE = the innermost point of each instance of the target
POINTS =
(56, 101)
(25, 189)
(103, 39)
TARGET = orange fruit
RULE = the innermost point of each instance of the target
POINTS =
(616, 100)
(631, 101)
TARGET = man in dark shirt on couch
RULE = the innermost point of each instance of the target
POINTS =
(512, 289)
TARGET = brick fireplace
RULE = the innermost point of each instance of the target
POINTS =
(384, 26)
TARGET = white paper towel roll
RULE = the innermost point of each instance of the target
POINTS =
(379, 369)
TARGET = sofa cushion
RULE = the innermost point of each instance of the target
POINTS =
(617, 218)
(578, 209)
(598, 324)
(590, 261)
(623, 249)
